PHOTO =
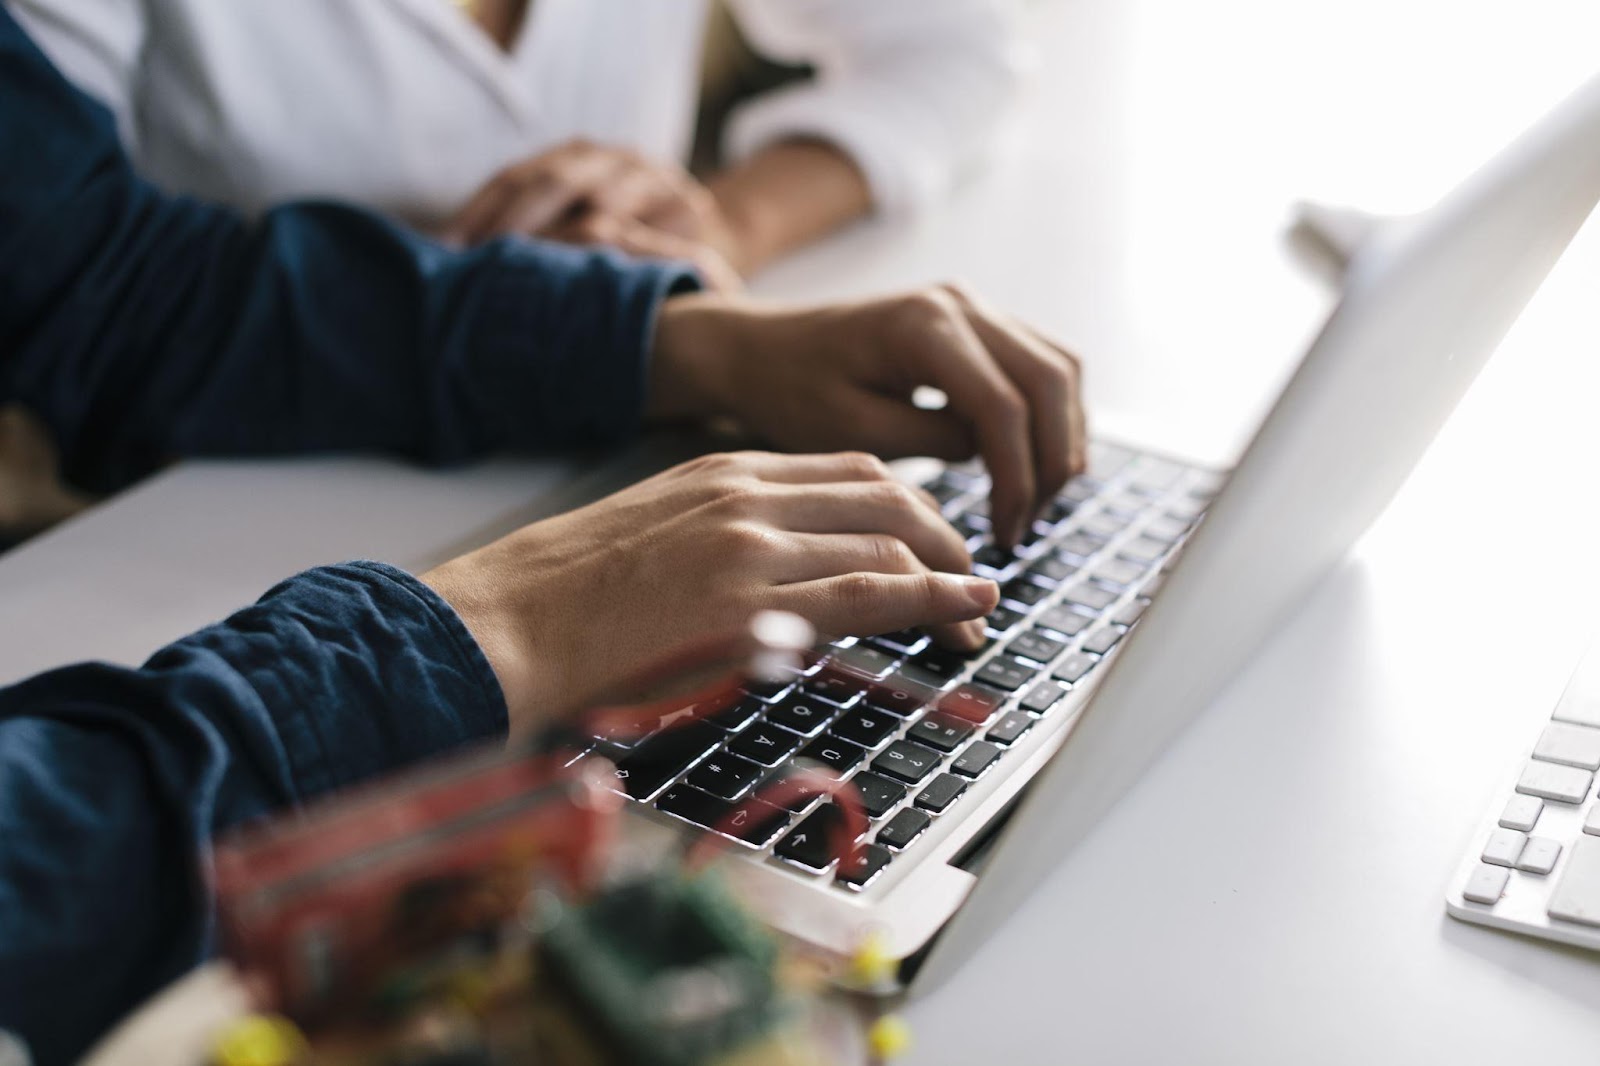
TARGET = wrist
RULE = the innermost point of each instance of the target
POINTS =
(501, 645)
(698, 338)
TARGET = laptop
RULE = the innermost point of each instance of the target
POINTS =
(1143, 589)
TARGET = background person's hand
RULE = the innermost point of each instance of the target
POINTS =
(843, 376)
(567, 607)
(585, 193)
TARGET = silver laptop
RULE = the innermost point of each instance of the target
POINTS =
(979, 772)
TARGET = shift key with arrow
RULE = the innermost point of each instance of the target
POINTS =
(815, 842)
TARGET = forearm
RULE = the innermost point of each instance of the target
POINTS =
(112, 780)
(140, 327)
(787, 195)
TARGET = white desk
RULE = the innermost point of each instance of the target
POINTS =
(1272, 892)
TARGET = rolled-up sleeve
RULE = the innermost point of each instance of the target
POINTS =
(114, 780)
(912, 90)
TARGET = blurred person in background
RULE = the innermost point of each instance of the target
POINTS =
(566, 119)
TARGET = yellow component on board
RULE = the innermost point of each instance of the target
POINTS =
(889, 1037)
(259, 1040)
(872, 964)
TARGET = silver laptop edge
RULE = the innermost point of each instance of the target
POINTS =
(1421, 313)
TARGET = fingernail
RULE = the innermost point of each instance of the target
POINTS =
(983, 593)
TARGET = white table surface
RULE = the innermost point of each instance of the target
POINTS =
(1273, 891)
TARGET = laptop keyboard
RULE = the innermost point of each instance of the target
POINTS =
(914, 725)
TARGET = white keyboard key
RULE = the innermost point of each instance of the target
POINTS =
(1539, 855)
(1570, 745)
(1591, 824)
(1504, 846)
(1522, 812)
(1578, 706)
(1577, 894)
(1566, 784)
(1486, 884)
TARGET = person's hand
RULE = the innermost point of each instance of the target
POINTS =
(843, 376)
(584, 193)
(567, 607)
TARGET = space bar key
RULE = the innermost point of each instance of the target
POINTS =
(1577, 894)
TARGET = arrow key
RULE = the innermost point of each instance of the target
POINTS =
(815, 842)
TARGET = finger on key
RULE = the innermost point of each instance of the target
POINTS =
(964, 369)
(951, 606)
(1048, 377)
(876, 507)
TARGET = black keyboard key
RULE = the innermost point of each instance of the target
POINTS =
(837, 686)
(858, 869)
(900, 642)
(1073, 667)
(906, 762)
(1035, 532)
(785, 788)
(757, 823)
(878, 794)
(802, 713)
(979, 756)
(766, 744)
(970, 703)
(1002, 619)
(865, 726)
(724, 775)
(1052, 571)
(664, 756)
(1040, 647)
(1103, 639)
(900, 695)
(817, 840)
(903, 828)
(916, 673)
(1065, 620)
(1006, 674)
(863, 660)
(940, 732)
(754, 823)
(1043, 696)
(738, 716)
(1010, 726)
(940, 793)
(840, 756)
(1059, 510)
(989, 560)
(1024, 592)
(696, 806)
(770, 689)
(1094, 597)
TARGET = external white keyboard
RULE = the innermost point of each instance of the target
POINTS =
(1534, 867)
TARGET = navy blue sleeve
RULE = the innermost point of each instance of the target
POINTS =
(142, 326)
(113, 780)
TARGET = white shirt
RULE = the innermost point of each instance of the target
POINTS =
(408, 107)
